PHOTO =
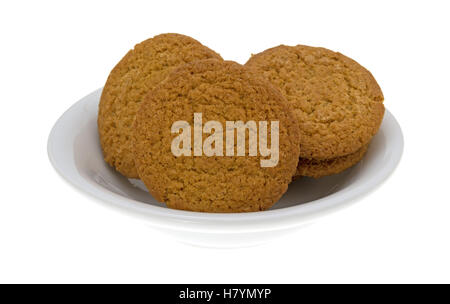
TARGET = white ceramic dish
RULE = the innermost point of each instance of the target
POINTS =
(74, 151)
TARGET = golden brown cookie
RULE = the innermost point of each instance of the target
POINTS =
(138, 72)
(337, 102)
(320, 168)
(221, 91)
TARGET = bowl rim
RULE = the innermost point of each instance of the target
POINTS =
(220, 222)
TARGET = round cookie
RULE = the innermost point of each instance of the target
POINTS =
(320, 168)
(222, 91)
(337, 102)
(138, 72)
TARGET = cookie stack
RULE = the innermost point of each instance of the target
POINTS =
(323, 107)
(337, 102)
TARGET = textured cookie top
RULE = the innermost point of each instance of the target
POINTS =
(138, 72)
(337, 102)
(222, 91)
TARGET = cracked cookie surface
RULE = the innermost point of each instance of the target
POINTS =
(222, 91)
(132, 78)
(337, 102)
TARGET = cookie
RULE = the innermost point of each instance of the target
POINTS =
(139, 71)
(337, 102)
(320, 168)
(220, 92)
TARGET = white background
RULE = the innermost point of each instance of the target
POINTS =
(52, 53)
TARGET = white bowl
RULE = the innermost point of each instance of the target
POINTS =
(74, 150)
